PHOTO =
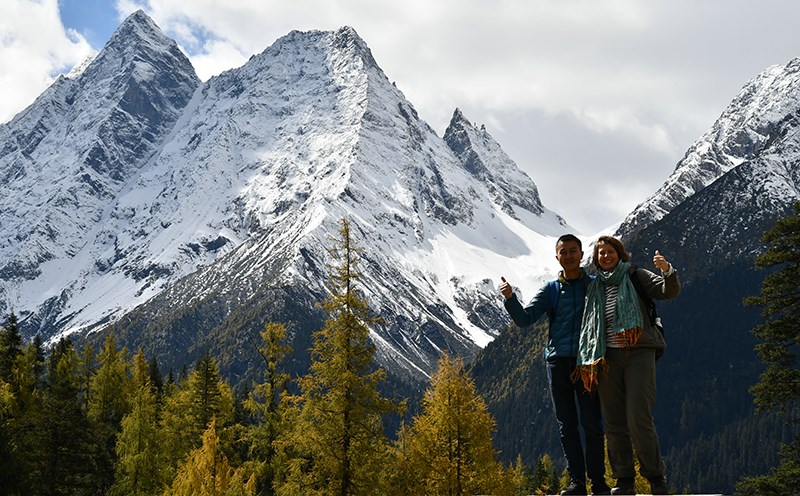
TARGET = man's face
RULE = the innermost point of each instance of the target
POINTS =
(569, 255)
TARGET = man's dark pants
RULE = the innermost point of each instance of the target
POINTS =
(564, 392)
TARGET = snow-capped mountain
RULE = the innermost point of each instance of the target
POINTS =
(755, 124)
(138, 191)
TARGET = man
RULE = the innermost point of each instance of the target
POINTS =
(563, 300)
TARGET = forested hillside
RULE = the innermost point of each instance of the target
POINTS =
(87, 422)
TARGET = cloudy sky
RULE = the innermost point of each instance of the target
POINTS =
(596, 99)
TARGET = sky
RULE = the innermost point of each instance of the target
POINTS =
(597, 100)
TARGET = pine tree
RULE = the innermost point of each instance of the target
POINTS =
(338, 441)
(207, 471)
(24, 425)
(110, 385)
(155, 374)
(10, 347)
(402, 476)
(139, 461)
(108, 402)
(779, 385)
(190, 407)
(67, 466)
(563, 481)
(264, 407)
(521, 478)
(545, 478)
(142, 373)
(212, 397)
(8, 464)
(39, 363)
(86, 370)
(448, 449)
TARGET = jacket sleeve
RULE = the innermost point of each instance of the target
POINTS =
(526, 316)
(659, 287)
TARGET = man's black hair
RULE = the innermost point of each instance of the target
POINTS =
(570, 237)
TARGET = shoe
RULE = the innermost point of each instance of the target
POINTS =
(624, 486)
(658, 485)
(574, 487)
(600, 487)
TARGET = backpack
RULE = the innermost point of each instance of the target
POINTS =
(655, 320)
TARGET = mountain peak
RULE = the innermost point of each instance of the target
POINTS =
(136, 28)
(139, 48)
(83, 140)
(463, 137)
(344, 40)
(146, 180)
(458, 117)
(139, 18)
(347, 37)
(509, 186)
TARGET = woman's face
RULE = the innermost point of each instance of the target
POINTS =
(607, 256)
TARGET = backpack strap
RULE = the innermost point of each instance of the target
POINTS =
(649, 303)
(555, 291)
(651, 306)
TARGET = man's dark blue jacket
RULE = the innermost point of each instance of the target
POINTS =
(565, 313)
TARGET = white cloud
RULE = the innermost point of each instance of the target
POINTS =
(34, 48)
(216, 57)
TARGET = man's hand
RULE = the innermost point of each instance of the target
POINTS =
(505, 288)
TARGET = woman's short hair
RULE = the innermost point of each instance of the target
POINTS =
(623, 255)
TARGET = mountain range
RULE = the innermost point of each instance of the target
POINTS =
(165, 208)
(183, 215)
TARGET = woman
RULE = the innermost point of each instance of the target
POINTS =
(617, 357)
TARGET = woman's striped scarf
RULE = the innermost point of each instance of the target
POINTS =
(627, 320)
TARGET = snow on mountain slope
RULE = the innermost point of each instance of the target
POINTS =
(67, 156)
(508, 185)
(755, 122)
(347, 144)
(135, 181)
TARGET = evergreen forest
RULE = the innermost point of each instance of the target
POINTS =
(109, 422)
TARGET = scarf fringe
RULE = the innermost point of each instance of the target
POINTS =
(632, 336)
(590, 374)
